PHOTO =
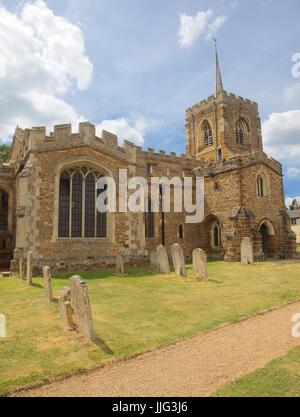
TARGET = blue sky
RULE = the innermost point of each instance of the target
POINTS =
(130, 72)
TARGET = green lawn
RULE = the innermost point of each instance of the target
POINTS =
(280, 378)
(131, 314)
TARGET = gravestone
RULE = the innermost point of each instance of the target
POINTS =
(247, 257)
(163, 260)
(154, 262)
(81, 306)
(47, 284)
(178, 260)
(200, 264)
(7, 274)
(120, 265)
(2, 326)
(29, 268)
(66, 311)
(21, 268)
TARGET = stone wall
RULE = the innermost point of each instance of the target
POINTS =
(296, 230)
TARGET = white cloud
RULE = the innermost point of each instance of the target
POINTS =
(293, 172)
(125, 130)
(203, 23)
(289, 201)
(281, 135)
(42, 56)
(215, 26)
(292, 91)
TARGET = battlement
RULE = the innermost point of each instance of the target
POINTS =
(36, 139)
(152, 156)
(222, 96)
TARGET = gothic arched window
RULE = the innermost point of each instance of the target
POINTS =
(241, 132)
(207, 134)
(149, 223)
(78, 214)
(216, 235)
(3, 211)
(180, 232)
(261, 186)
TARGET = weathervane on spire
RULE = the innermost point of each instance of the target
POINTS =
(219, 82)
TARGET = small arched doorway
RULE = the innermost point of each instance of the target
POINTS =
(212, 239)
(265, 240)
(268, 238)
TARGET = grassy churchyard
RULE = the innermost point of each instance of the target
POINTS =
(138, 312)
(280, 378)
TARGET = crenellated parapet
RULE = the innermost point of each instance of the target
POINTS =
(222, 96)
(62, 137)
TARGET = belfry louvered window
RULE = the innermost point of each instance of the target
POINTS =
(208, 134)
(78, 214)
(241, 132)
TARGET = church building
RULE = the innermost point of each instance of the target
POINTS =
(48, 192)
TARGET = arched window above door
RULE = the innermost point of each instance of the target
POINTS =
(262, 186)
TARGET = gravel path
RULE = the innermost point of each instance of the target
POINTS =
(197, 366)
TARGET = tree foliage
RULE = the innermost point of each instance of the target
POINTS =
(4, 152)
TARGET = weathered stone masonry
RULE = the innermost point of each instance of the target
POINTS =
(244, 194)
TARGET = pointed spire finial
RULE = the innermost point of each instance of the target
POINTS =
(219, 82)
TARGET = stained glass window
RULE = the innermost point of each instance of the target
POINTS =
(78, 205)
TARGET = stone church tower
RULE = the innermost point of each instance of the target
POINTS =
(244, 195)
(222, 126)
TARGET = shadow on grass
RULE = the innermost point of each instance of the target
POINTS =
(37, 286)
(215, 281)
(103, 346)
(107, 274)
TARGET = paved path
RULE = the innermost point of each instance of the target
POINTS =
(197, 366)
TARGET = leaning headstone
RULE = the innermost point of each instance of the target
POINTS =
(200, 264)
(163, 260)
(81, 306)
(21, 268)
(247, 252)
(178, 260)
(120, 269)
(47, 284)
(29, 268)
(66, 312)
(154, 262)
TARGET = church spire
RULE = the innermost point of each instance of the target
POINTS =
(219, 82)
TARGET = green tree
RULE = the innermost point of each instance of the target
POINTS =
(4, 152)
